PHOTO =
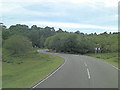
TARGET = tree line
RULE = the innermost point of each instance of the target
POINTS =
(60, 41)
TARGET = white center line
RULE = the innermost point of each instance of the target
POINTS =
(85, 64)
(88, 73)
(87, 70)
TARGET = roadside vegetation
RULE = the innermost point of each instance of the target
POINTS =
(25, 71)
(23, 66)
(111, 58)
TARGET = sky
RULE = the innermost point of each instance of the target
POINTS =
(87, 16)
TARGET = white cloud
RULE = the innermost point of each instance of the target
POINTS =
(9, 8)
(107, 3)
(0, 9)
(111, 3)
(18, 9)
(18, 5)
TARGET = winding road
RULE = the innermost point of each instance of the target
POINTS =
(81, 72)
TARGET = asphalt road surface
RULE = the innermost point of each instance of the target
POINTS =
(81, 72)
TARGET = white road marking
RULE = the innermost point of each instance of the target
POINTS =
(115, 67)
(49, 75)
(112, 65)
(88, 73)
(107, 63)
(87, 70)
(85, 64)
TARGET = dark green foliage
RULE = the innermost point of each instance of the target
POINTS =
(34, 27)
(19, 27)
(35, 34)
(39, 35)
(6, 34)
(68, 42)
(17, 44)
(63, 41)
(80, 43)
(60, 31)
(77, 32)
(107, 42)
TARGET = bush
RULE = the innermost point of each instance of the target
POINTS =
(17, 44)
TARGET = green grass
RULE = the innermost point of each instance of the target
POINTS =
(35, 66)
(111, 58)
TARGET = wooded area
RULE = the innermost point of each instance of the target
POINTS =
(60, 40)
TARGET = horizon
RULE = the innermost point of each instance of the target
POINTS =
(70, 15)
(56, 29)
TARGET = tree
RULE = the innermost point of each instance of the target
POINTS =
(41, 42)
(62, 41)
(60, 31)
(77, 32)
(6, 34)
(34, 37)
(19, 28)
(70, 43)
(17, 44)
(34, 27)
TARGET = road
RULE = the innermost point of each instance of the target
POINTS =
(81, 72)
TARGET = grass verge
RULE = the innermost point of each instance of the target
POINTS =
(111, 58)
(33, 68)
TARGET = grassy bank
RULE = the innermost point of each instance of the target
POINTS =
(23, 72)
(111, 58)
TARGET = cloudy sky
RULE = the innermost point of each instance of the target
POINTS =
(87, 16)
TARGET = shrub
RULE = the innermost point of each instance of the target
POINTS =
(17, 44)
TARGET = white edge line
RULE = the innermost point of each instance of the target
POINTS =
(49, 75)
(88, 73)
(115, 67)
(105, 62)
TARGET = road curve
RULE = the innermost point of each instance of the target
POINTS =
(81, 72)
